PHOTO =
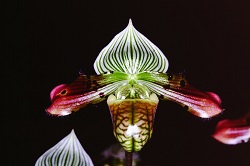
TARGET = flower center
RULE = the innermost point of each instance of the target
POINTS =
(131, 89)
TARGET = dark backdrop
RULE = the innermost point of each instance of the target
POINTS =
(47, 42)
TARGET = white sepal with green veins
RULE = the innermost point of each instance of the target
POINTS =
(130, 52)
(68, 152)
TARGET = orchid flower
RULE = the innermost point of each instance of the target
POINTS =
(234, 131)
(66, 152)
(131, 75)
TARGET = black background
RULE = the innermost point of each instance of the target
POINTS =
(47, 42)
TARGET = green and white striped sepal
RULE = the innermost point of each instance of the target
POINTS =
(67, 152)
(130, 52)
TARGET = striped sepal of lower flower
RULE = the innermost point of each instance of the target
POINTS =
(67, 152)
(130, 52)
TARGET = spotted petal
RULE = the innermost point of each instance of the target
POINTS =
(66, 152)
(177, 89)
(84, 90)
(130, 52)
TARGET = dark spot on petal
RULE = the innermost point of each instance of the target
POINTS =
(95, 82)
(167, 86)
(101, 94)
(105, 72)
(185, 107)
(243, 141)
(161, 97)
(63, 92)
(170, 76)
(182, 83)
(88, 84)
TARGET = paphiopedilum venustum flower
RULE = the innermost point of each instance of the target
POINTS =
(131, 74)
(233, 131)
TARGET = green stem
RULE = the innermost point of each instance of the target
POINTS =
(128, 158)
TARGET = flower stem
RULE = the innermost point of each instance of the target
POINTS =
(128, 158)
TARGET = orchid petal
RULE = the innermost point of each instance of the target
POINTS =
(85, 90)
(177, 89)
(68, 151)
(130, 52)
(233, 132)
